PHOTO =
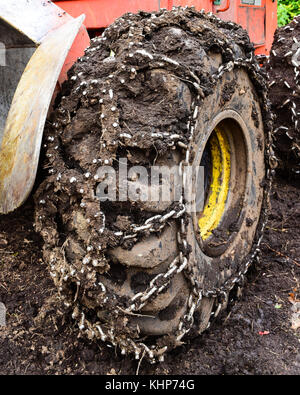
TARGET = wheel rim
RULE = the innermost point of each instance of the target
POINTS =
(219, 177)
(227, 184)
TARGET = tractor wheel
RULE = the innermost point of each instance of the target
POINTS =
(177, 89)
(284, 91)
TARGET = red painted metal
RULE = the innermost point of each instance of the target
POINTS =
(225, 8)
(198, 4)
(259, 18)
(253, 20)
(81, 42)
(101, 13)
(270, 23)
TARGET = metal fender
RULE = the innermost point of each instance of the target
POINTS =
(20, 139)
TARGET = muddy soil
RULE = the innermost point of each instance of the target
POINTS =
(284, 78)
(257, 336)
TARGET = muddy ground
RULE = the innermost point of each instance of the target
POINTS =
(257, 336)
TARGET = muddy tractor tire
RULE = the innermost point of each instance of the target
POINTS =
(174, 90)
(284, 92)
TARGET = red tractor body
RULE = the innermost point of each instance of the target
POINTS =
(258, 17)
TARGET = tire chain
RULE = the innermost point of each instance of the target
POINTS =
(156, 223)
(289, 102)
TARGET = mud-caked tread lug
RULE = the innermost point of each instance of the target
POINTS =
(150, 252)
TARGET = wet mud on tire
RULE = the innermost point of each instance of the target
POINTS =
(283, 69)
(136, 93)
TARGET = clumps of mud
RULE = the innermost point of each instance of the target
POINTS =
(284, 84)
(121, 100)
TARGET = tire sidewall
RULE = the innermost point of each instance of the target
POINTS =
(241, 106)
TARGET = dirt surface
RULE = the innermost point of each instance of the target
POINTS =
(255, 337)
(283, 69)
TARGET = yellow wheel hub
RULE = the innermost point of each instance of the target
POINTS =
(220, 178)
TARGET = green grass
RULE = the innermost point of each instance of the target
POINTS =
(287, 10)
